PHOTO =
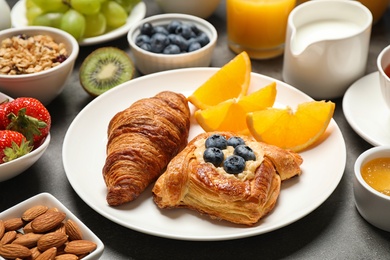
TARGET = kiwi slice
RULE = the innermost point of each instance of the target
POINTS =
(104, 69)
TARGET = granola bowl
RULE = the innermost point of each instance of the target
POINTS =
(36, 61)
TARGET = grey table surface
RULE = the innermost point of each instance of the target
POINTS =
(334, 230)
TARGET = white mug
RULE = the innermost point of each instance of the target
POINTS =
(327, 43)
(383, 61)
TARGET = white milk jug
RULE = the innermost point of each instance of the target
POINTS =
(327, 44)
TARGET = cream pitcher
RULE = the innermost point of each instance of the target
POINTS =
(327, 44)
(5, 15)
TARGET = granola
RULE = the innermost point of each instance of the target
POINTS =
(23, 54)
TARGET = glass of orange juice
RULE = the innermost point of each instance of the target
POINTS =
(258, 26)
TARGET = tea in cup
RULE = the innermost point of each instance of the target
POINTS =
(258, 26)
(383, 64)
(327, 45)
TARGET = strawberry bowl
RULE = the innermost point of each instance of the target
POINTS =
(15, 167)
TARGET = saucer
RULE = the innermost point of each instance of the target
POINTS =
(366, 111)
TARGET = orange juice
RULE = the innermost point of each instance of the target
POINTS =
(258, 26)
(377, 7)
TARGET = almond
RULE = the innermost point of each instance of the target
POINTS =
(67, 257)
(27, 228)
(73, 230)
(8, 237)
(34, 212)
(14, 251)
(48, 254)
(2, 228)
(47, 221)
(61, 228)
(29, 240)
(34, 252)
(52, 239)
(79, 247)
(13, 224)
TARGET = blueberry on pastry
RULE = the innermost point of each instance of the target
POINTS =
(226, 176)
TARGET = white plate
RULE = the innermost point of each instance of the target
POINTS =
(18, 17)
(84, 156)
(366, 111)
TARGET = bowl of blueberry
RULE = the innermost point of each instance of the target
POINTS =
(171, 41)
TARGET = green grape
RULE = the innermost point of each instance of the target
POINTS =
(128, 5)
(95, 25)
(115, 15)
(87, 7)
(74, 23)
(33, 12)
(30, 3)
(52, 5)
(48, 19)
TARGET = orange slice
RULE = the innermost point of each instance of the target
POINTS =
(230, 115)
(291, 130)
(230, 81)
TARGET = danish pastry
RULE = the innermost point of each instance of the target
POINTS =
(241, 185)
(142, 139)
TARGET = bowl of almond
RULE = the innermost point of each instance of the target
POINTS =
(43, 226)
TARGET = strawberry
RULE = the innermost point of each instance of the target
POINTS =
(3, 105)
(12, 145)
(30, 117)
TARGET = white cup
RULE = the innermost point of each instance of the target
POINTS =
(383, 61)
(327, 43)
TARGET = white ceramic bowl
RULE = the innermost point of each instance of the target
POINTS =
(44, 85)
(200, 8)
(148, 62)
(372, 205)
(50, 201)
(15, 167)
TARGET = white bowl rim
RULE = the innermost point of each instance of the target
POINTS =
(27, 30)
(359, 163)
(171, 16)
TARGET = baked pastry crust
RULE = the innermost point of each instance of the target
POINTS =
(142, 139)
(190, 182)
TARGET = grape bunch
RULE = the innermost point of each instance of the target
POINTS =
(80, 18)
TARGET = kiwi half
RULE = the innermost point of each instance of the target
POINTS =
(104, 69)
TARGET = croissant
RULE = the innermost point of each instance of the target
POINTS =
(241, 198)
(142, 139)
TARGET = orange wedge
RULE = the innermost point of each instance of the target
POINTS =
(291, 130)
(230, 115)
(230, 81)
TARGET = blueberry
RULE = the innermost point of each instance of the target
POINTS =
(161, 29)
(245, 152)
(173, 25)
(185, 31)
(195, 29)
(146, 47)
(216, 140)
(179, 41)
(213, 155)
(158, 42)
(235, 140)
(203, 39)
(141, 39)
(194, 46)
(147, 28)
(171, 49)
(234, 164)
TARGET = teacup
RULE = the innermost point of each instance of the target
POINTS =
(327, 45)
(383, 64)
